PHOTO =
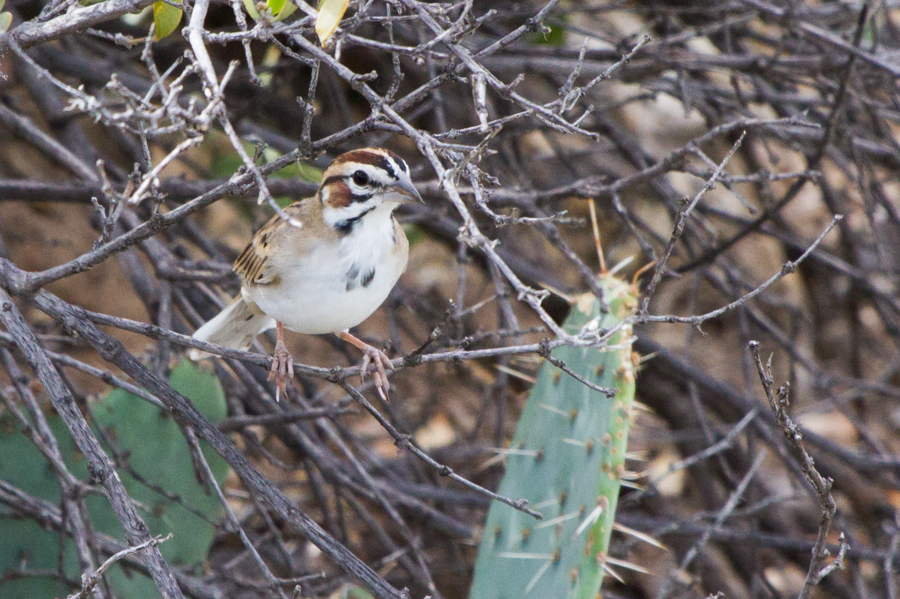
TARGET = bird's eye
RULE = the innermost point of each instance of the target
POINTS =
(360, 177)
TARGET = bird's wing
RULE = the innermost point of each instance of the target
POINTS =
(254, 265)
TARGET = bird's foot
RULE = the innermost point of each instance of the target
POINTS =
(380, 361)
(282, 369)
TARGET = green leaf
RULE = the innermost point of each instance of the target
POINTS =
(250, 5)
(287, 11)
(166, 18)
(276, 6)
(1, 4)
(5, 20)
(330, 14)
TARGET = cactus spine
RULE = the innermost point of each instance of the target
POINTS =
(567, 459)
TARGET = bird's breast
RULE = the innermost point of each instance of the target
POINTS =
(337, 284)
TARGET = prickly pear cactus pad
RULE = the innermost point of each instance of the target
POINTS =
(567, 459)
(156, 451)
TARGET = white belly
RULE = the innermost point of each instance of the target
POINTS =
(335, 287)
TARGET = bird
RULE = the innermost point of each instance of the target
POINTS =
(324, 266)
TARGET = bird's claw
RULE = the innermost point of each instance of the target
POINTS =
(380, 361)
(282, 369)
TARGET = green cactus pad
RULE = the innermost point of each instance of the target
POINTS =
(567, 459)
(158, 453)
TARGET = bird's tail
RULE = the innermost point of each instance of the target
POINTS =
(236, 326)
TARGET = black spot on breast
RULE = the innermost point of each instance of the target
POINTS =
(351, 278)
(344, 227)
(367, 278)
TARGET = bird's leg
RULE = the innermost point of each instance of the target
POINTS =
(371, 356)
(282, 364)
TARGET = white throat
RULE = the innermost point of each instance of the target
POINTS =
(349, 217)
(360, 219)
(370, 229)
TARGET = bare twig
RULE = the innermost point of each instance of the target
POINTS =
(778, 403)
(90, 582)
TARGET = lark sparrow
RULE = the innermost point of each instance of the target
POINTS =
(327, 268)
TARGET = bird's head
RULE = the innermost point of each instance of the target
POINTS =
(362, 182)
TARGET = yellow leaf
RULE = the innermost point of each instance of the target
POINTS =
(5, 21)
(330, 14)
(166, 18)
(273, 55)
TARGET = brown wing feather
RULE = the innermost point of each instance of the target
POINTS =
(253, 265)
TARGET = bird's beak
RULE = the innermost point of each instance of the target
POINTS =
(406, 192)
